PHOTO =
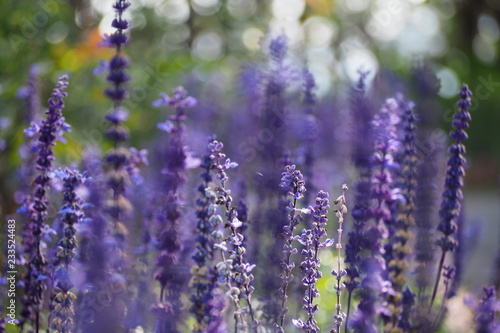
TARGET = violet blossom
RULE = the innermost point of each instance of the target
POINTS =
(169, 214)
(36, 263)
(292, 181)
(451, 204)
(384, 194)
(63, 312)
(312, 240)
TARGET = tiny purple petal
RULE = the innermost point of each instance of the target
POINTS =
(167, 126)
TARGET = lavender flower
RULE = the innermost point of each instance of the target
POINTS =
(204, 277)
(37, 266)
(93, 256)
(234, 271)
(28, 155)
(273, 131)
(249, 82)
(292, 181)
(340, 212)
(217, 304)
(312, 240)
(169, 210)
(310, 128)
(486, 311)
(63, 312)
(118, 159)
(452, 196)
(273, 110)
(398, 248)
(98, 304)
(361, 153)
(117, 75)
(407, 303)
(384, 193)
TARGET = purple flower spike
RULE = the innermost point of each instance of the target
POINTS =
(312, 240)
(278, 48)
(397, 249)
(487, 310)
(169, 214)
(36, 262)
(339, 273)
(384, 194)
(204, 298)
(121, 165)
(235, 272)
(180, 101)
(118, 38)
(362, 111)
(451, 203)
(407, 301)
(63, 312)
(309, 128)
(292, 181)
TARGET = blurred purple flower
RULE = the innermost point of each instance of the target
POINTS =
(168, 214)
(361, 153)
(384, 194)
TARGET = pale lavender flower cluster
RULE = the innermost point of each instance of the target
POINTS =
(204, 276)
(340, 273)
(312, 240)
(292, 181)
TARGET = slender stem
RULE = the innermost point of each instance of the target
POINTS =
(349, 297)
(237, 314)
(436, 284)
(441, 309)
(338, 296)
(250, 308)
(342, 202)
(339, 276)
(310, 287)
(247, 293)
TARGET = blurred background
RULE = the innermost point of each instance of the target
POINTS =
(205, 44)
(208, 41)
